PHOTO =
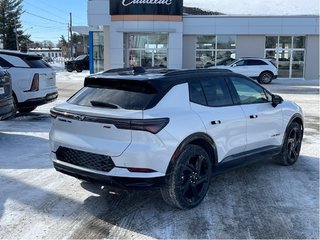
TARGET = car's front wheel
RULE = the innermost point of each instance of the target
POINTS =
(188, 182)
(291, 146)
(265, 78)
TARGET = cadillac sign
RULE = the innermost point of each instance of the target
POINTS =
(146, 7)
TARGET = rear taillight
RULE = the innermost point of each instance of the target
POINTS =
(150, 125)
(35, 83)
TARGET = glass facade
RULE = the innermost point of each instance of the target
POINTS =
(146, 50)
(288, 53)
(98, 51)
(215, 50)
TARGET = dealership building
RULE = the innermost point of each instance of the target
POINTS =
(155, 33)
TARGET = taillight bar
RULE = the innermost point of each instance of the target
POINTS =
(153, 125)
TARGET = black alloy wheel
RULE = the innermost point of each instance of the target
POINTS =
(292, 145)
(189, 180)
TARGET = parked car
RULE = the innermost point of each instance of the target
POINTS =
(79, 64)
(6, 100)
(33, 80)
(221, 62)
(261, 69)
(171, 131)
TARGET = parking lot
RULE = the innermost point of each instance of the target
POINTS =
(263, 200)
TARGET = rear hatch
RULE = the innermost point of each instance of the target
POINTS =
(99, 117)
(43, 72)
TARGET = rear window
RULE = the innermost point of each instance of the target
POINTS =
(126, 95)
(36, 63)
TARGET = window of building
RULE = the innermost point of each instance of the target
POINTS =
(288, 53)
(215, 50)
(146, 50)
(98, 49)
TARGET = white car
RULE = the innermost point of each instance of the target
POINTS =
(33, 80)
(262, 69)
(171, 131)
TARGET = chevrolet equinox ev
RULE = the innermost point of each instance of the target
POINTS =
(171, 130)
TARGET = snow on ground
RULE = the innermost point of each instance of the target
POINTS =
(263, 200)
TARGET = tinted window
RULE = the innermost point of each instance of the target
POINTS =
(37, 63)
(216, 92)
(196, 93)
(248, 91)
(256, 62)
(4, 63)
(121, 95)
(241, 63)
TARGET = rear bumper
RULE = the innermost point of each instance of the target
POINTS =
(6, 107)
(34, 102)
(103, 179)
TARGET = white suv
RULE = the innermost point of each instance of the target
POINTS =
(262, 69)
(171, 131)
(33, 80)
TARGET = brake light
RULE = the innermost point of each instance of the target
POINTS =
(150, 125)
(35, 83)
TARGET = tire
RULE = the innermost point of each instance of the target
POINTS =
(188, 182)
(79, 70)
(291, 146)
(26, 110)
(15, 106)
(69, 69)
(265, 78)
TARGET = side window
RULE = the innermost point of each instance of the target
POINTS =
(216, 92)
(256, 62)
(248, 91)
(241, 63)
(4, 63)
(196, 93)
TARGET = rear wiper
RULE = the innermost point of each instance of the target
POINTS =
(104, 104)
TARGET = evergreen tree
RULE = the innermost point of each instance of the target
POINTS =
(10, 25)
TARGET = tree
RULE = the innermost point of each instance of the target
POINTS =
(11, 31)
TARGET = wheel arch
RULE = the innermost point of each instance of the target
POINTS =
(200, 139)
(298, 118)
(266, 71)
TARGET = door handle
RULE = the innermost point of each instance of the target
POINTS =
(253, 116)
(215, 122)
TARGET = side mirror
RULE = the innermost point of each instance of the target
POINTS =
(276, 100)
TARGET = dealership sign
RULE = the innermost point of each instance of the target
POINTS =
(146, 7)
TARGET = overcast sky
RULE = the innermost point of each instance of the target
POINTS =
(258, 7)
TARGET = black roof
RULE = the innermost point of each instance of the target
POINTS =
(160, 81)
(20, 54)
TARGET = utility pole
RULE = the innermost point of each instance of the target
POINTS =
(16, 31)
(71, 40)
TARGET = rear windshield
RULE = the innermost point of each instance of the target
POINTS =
(128, 96)
(36, 63)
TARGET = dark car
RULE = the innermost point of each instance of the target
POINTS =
(6, 100)
(78, 64)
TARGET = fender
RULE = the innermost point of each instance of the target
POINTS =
(197, 139)
(292, 119)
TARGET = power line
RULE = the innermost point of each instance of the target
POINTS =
(34, 6)
(35, 15)
(60, 10)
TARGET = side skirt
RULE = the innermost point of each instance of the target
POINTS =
(246, 158)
